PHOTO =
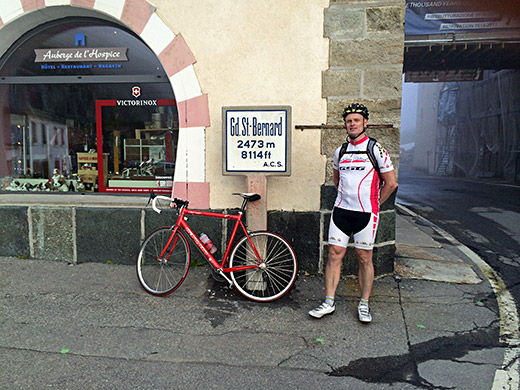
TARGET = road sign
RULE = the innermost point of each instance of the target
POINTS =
(256, 140)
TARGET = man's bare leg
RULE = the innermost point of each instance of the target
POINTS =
(333, 269)
(365, 272)
(366, 280)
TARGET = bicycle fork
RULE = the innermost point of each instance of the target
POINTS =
(173, 237)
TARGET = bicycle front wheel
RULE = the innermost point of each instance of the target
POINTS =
(277, 271)
(163, 261)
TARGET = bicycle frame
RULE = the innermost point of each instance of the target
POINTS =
(182, 224)
(261, 265)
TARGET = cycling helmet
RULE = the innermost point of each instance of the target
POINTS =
(355, 108)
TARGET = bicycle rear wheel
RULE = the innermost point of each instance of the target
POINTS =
(278, 269)
(161, 275)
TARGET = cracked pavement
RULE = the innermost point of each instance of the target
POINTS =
(92, 326)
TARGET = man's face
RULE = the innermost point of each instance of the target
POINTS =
(355, 123)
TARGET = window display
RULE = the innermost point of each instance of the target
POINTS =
(73, 118)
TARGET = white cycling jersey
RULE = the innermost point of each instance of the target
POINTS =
(358, 187)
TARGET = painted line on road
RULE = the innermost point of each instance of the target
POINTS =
(508, 377)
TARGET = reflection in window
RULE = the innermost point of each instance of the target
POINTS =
(51, 129)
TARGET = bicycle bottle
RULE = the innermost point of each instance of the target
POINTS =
(207, 243)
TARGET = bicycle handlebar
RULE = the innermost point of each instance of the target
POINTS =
(154, 201)
(176, 201)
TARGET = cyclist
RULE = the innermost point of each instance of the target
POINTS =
(361, 190)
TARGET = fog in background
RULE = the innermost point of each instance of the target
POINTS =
(408, 112)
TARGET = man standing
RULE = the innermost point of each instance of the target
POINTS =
(362, 188)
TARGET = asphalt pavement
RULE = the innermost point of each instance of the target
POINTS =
(438, 323)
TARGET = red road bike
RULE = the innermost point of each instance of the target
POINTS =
(262, 264)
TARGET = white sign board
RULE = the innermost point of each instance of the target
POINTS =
(256, 140)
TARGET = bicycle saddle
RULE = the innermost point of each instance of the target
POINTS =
(249, 196)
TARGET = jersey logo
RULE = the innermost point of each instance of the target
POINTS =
(369, 152)
(351, 168)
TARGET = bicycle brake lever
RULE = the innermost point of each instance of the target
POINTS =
(152, 196)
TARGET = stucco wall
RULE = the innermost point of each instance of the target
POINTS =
(259, 53)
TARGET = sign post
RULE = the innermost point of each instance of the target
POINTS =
(256, 144)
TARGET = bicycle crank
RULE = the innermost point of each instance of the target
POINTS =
(221, 273)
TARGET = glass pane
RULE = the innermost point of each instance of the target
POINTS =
(141, 153)
(48, 131)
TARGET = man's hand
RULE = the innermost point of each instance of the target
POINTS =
(389, 186)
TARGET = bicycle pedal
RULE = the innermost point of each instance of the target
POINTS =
(217, 276)
(223, 275)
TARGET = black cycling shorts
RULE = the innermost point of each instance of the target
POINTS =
(347, 223)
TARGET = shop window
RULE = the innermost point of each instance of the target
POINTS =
(90, 109)
(34, 133)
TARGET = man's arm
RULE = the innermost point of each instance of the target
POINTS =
(335, 176)
(389, 185)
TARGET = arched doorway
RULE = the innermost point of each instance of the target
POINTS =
(174, 57)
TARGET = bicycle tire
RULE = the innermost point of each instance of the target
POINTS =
(278, 275)
(157, 276)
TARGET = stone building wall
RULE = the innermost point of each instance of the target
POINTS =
(366, 51)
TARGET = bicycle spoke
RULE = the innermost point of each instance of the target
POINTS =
(277, 274)
(277, 280)
(161, 276)
(279, 252)
(163, 273)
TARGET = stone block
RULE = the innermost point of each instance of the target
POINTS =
(326, 223)
(302, 230)
(386, 230)
(382, 83)
(384, 259)
(14, 231)
(389, 204)
(153, 220)
(382, 111)
(388, 138)
(387, 19)
(328, 196)
(341, 82)
(342, 21)
(52, 233)
(329, 171)
(108, 235)
(361, 53)
(350, 263)
(331, 139)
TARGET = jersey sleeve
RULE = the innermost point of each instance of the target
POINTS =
(335, 160)
(383, 158)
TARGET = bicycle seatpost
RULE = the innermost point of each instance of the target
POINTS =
(247, 198)
(244, 204)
